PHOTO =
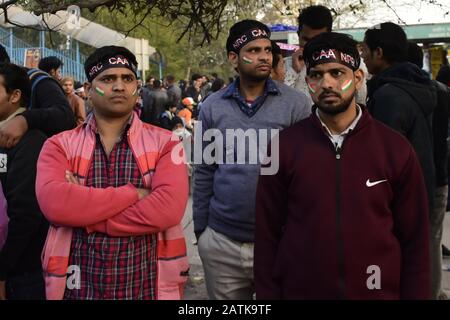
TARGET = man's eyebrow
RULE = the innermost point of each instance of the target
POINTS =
(115, 75)
(337, 69)
(328, 70)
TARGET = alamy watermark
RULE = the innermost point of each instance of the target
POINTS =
(73, 281)
(234, 146)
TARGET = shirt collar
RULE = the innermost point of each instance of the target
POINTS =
(92, 124)
(232, 91)
(346, 131)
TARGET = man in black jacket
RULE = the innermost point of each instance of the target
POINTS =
(401, 96)
(20, 264)
(51, 113)
(440, 131)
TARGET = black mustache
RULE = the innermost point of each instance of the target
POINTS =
(322, 95)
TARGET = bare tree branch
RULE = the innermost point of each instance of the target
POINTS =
(139, 23)
(52, 7)
(400, 20)
(197, 17)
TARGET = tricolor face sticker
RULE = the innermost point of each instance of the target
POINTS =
(247, 60)
(113, 92)
(99, 91)
(312, 88)
(347, 85)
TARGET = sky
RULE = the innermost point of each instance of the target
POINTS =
(411, 12)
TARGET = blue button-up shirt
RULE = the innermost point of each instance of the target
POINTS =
(232, 92)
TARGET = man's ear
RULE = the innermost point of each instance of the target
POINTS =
(15, 96)
(378, 53)
(359, 78)
(52, 72)
(233, 58)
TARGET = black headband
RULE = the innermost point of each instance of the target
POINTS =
(252, 34)
(332, 55)
(118, 61)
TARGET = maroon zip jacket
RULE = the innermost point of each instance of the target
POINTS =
(331, 223)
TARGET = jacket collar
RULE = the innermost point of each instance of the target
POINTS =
(133, 123)
(365, 119)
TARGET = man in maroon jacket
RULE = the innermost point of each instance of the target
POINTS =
(346, 215)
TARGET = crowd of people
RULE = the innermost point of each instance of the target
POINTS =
(95, 190)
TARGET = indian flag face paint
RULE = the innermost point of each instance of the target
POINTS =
(311, 88)
(134, 92)
(99, 91)
(247, 60)
(347, 85)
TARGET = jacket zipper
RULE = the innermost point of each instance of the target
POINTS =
(340, 242)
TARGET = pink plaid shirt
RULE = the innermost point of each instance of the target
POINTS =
(113, 267)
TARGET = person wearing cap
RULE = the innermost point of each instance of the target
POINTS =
(114, 193)
(346, 215)
(186, 112)
(224, 189)
(405, 99)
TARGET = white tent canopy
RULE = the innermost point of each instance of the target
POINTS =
(90, 33)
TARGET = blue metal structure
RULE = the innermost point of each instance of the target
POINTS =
(73, 60)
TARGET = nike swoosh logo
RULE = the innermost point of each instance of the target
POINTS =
(371, 184)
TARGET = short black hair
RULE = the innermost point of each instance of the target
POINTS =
(315, 17)
(217, 84)
(50, 63)
(4, 57)
(157, 84)
(170, 78)
(16, 77)
(105, 52)
(415, 54)
(171, 100)
(176, 120)
(332, 40)
(77, 85)
(391, 38)
(276, 51)
(196, 76)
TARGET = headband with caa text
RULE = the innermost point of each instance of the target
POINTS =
(332, 55)
(118, 61)
(248, 36)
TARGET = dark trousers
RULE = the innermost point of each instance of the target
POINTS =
(29, 286)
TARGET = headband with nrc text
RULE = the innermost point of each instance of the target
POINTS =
(253, 34)
(108, 63)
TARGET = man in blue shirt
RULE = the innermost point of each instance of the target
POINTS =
(250, 111)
